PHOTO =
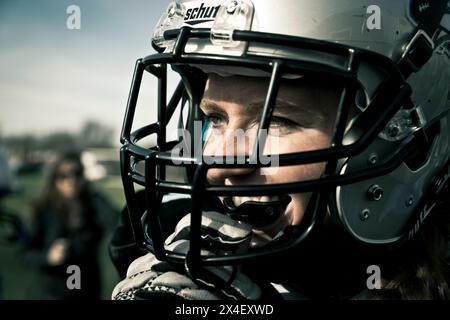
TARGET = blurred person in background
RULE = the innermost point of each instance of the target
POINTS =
(65, 228)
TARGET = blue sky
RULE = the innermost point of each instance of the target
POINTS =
(53, 78)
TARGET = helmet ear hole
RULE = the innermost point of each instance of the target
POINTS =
(423, 141)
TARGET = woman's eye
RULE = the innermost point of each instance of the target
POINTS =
(214, 119)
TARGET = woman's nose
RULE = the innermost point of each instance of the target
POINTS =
(228, 176)
(228, 143)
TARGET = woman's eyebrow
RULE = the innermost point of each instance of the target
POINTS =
(284, 107)
(211, 106)
(308, 117)
(281, 106)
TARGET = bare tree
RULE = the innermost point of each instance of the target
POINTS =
(95, 135)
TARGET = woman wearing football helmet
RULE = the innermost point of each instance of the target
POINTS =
(314, 143)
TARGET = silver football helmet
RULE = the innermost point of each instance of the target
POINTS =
(385, 169)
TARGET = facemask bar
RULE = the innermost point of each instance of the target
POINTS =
(131, 153)
(384, 106)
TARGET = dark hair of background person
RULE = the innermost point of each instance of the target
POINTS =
(76, 220)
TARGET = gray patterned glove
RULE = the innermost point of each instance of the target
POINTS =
(149, 278)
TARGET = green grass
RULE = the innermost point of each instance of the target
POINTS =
(17, 279)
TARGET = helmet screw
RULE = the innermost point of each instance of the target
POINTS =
(232, 6)
(393, 130)
(373, 158)
(364, 215)
(410, 201)
(375, 192)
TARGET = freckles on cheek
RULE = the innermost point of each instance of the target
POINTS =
(290, 174)
(305, 140)
(310, 171)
